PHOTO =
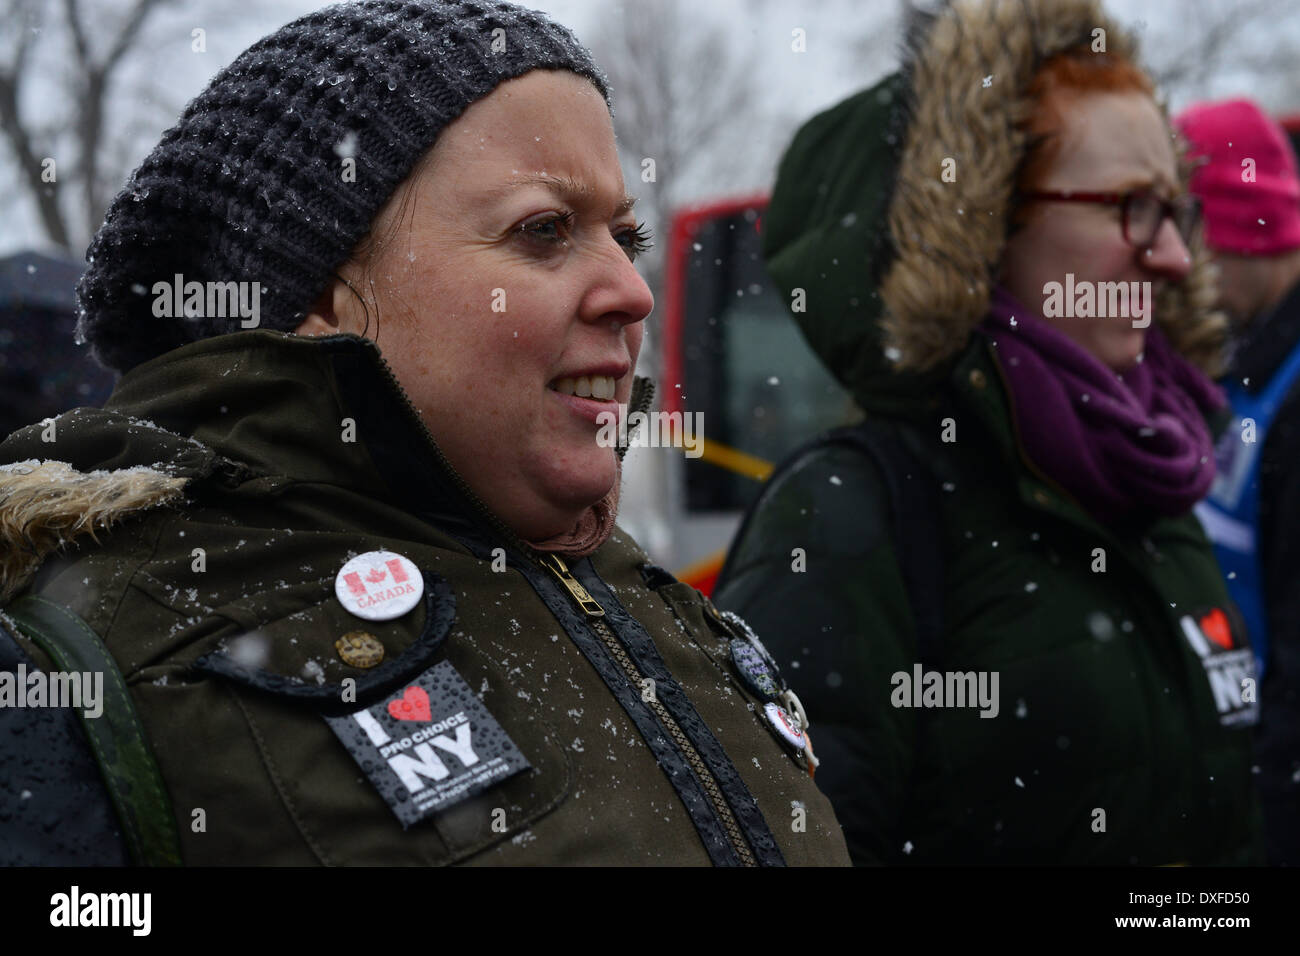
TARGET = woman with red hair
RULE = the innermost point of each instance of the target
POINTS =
(1011, 626)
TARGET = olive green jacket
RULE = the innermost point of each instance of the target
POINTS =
(227, 482)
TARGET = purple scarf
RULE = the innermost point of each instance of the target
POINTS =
(1124, 446)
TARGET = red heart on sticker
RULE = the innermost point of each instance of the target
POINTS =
(414, 705)
(1216, 628)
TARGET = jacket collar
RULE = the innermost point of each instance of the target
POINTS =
(310, 409)
(251, 407)
(250, 410)
(267, 399)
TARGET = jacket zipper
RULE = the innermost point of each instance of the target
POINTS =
(643, 393)
(596, 618)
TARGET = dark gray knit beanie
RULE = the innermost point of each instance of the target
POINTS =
(250, 184)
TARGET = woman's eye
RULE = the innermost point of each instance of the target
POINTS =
(552, 229)
(635, 241)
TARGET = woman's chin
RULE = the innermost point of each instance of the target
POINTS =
(1122, 352)
(583, 490)
(584, 481)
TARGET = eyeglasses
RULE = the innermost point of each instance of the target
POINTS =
(1143, 210)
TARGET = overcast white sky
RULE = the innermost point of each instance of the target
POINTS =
(794, 86)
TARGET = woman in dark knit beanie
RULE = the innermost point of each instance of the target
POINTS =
(345, 528)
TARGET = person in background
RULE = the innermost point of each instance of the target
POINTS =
(42, 370)
(1001, 607)
(1246, 178)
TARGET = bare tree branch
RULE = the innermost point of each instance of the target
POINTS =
(72, 17)
(78, 121)
(1207, 35)
(680, 87)
(19, 134)
(130, 31)
(95, 80)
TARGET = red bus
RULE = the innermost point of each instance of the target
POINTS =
(730, 352)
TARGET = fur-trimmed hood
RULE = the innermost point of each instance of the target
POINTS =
(75, 477)
(46, 505)
(896, 260)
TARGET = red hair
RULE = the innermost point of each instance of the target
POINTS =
(1059, 81)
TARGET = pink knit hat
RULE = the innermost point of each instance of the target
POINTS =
(1252, 208)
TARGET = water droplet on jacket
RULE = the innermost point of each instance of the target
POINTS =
(1101, 626)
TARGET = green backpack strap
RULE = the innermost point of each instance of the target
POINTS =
(116, 736)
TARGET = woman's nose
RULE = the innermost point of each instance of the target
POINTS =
(618, 293)
(1169, 255)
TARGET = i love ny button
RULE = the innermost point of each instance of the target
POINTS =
(379, 585)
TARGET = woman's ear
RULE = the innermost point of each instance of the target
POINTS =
(337, 310)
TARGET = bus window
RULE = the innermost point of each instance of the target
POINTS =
(739, 358)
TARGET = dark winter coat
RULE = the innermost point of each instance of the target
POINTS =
(1264, 347)
(1114, 740)
(226, 495)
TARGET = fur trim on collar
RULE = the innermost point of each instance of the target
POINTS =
(45, 505)
(969, 65)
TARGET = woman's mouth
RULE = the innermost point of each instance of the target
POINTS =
(599, 387)
(590, 397)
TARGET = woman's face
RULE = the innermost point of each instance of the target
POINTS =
(1110, 142)
(510, 273)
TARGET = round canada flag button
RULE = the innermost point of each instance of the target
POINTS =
(379, 585)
